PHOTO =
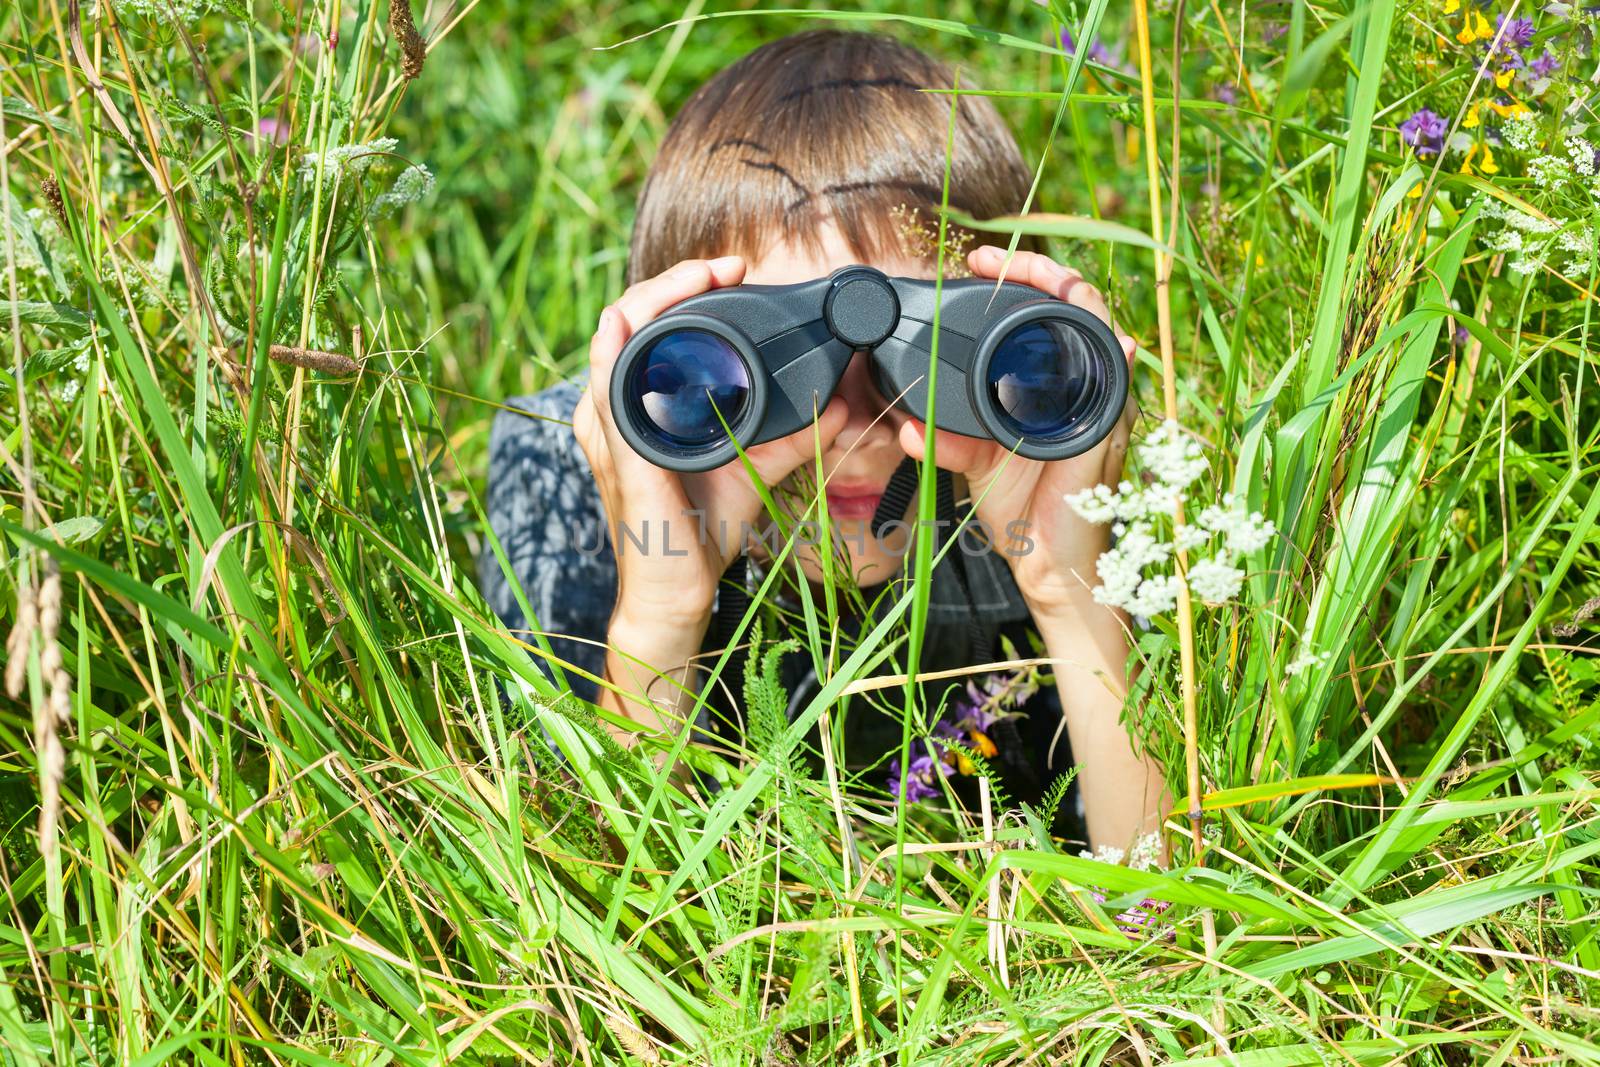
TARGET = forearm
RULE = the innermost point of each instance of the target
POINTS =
(650, 670)
(1124, 793)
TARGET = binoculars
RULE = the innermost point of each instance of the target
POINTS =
(1034, 373)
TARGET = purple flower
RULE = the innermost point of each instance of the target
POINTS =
(1461, 335)
(920, 783)
(1545, 65)
(1517, 33)
(1424, 132)
(1273, 30)
(272, 131)
(1098, 52)
(1226, 92)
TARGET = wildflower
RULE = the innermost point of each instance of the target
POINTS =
(1103, 854)
(1514, 32)
(1424, 132)
(1507, 106)
(1226, 92)
(1521, 132)
(1461, 335)
(1215, 581)
(348, 160)
(921, 783)
(1098, 52)
(271, 131)
(1485, 158)
(1474, 27)
(1272, 31)
(1173, 458)
(1584, 156)
(1305, 661)
(1544, 66)
(411, 185)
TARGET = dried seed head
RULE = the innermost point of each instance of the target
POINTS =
(308, 358)
(52, 196)
(17, 641)
(413, 49)
(311, 359)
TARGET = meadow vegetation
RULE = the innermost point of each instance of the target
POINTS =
(276, 787)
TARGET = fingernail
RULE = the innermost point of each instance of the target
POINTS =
(722, 263)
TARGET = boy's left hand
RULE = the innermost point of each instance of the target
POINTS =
(1056, 574)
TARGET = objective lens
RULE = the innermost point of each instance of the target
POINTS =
(1039, 379)
(684, 380)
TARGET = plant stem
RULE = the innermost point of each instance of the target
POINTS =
(1169, 389)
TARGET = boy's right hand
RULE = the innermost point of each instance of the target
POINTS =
(656, 592)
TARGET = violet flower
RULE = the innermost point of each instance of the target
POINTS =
(1098, 52)
(1545, 65)
(921, 783)
(1424, 132)
(1515, 33)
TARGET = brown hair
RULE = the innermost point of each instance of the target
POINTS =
(823, 124)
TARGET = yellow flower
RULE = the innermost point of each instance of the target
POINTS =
(1474, 27)
(1487, 164)
(1452, 6)
(1472, 117)
(1505, 111)
(1466, 164)
(1503, 79)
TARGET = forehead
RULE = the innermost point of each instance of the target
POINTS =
(785, 263)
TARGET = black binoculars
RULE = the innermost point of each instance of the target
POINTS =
(1034, 373)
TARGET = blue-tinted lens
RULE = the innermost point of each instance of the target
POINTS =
(1039, 379)
(685, 378)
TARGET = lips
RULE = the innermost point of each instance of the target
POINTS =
(853, 502)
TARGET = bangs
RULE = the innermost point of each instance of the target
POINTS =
(825, 126)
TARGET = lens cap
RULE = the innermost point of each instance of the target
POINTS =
(861, 307)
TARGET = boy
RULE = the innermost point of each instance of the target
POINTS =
(811, 153)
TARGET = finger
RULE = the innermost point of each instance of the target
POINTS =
(1026, 268)
(971, 456)
(604, 348)
(1081, 294)
(647, 299)
(776, 460)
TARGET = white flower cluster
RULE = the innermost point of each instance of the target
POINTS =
(1521, 131)
(1145, 854)
(349, 160)
(1305, 661)
(186, 11)
(412, 184)
(1134, 573)
(1532, 241)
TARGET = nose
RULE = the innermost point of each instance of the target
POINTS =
(866, 405)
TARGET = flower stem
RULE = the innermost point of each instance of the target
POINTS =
(1169, 389)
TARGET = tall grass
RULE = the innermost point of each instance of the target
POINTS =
(276, 786)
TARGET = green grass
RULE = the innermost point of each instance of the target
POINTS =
(285, 817)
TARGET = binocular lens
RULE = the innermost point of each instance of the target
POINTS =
(683, 381)
(1040, 379)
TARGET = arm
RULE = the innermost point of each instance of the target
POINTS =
(1124, 794)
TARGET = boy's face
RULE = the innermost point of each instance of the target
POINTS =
(867, 450)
